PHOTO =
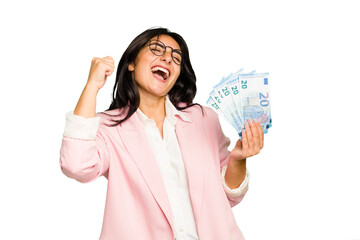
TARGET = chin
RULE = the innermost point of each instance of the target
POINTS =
(161, 91)
(158, 93)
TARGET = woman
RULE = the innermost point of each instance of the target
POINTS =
(170, 175)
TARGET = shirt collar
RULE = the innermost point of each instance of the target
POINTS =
(171, 113)
(144, 119)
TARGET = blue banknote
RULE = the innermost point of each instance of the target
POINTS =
(241, 96)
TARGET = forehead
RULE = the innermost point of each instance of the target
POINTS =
(167, 40)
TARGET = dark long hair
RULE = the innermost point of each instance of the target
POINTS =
(125, 92)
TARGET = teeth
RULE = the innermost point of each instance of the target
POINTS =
(161, 69)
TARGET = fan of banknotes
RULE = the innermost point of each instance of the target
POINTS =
(242, 96)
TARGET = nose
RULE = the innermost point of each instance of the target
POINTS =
(167, 55)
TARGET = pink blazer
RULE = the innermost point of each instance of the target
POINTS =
(137, 205)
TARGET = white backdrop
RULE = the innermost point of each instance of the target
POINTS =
(305, 183)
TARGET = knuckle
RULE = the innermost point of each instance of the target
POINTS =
(97, 61)
(109, 58)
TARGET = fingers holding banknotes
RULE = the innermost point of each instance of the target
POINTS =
(252, 141)
(100, 69)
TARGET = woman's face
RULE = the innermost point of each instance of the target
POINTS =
(156, 75)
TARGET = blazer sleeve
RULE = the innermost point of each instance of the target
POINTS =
(84, 155)
(236, 195)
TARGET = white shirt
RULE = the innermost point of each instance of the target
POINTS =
(168, 155)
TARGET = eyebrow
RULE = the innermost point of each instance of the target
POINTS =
(177, 50)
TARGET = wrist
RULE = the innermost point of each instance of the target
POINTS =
(236, 157)
(235, 173)
(236, 162)
(91, 88)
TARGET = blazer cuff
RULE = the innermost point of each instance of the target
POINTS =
(80, 127)
(237, 191)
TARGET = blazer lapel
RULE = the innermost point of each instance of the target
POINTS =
(135, 140)
(193, 157)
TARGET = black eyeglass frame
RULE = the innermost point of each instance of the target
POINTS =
(163, 52)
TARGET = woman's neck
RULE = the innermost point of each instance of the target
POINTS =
(153, 107)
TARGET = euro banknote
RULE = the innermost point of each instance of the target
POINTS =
(241, 96)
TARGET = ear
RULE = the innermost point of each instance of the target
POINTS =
(131, 67)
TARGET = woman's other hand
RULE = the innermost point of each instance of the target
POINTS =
(100, 69)
(251, 144)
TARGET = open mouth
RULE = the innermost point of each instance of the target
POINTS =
(160, 72)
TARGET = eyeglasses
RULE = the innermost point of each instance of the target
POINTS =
(158, 48)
